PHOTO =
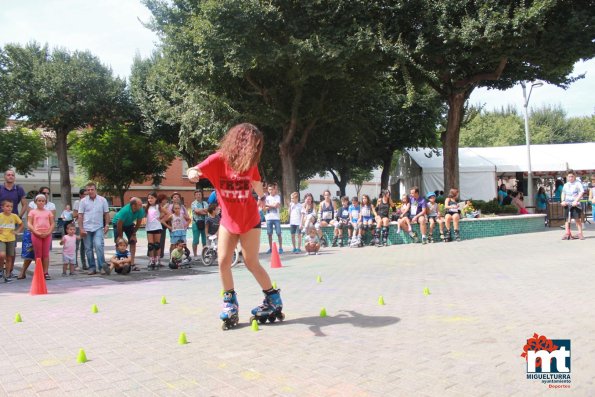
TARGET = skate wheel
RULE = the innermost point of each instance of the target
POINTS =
(252, 319)
(272, 319)
(281, 316)
(262, 320)
(224, 326)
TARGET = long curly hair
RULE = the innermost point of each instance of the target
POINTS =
(242, 146)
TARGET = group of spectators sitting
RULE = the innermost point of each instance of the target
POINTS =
(354, 220)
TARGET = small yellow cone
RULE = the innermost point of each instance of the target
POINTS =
(163, 300)
(182, 339)
(318, 279)
(17, 318)
(94, 309)
(426, 291)
(381, 300)
(274, 285)
(254, 325)
(82, 357)
(222, 292)
(323, 312)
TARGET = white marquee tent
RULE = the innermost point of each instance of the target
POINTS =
(480, 168)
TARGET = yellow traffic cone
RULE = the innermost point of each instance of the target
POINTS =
(82, 357)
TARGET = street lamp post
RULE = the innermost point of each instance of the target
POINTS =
(529, 198)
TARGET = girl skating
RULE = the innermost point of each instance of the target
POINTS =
(233, 172)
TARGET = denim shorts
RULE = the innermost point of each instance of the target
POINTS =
(177, 235)
(276, 223)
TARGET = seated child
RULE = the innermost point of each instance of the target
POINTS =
(354, 210)
(179, 256)
(342, 221)
(434, 216)
(121, 261)
(312, 242)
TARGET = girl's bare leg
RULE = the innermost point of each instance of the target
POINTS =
(250, 247)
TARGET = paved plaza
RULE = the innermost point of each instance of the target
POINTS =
(487, 297)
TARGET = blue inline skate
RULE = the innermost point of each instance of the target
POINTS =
(229, 315)
(270, 309)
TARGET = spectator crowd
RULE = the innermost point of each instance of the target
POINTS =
(354, 223)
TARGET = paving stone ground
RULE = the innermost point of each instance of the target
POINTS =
(465, 339)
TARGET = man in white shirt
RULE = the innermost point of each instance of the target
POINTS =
(272, 206)
(570, 199)
(93, 219)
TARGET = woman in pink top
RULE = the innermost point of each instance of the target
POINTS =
(41, 224)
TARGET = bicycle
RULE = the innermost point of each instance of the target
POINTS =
(209, 253)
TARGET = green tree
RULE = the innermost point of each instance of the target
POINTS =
(548, 125)
(503, 127)
(22, 149)
(61, 91)
(456, 46)
(282, 65)
(116, 157)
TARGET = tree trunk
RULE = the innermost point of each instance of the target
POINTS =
(289, 173)
(62, 153)
(450, 139)
(387, 160)
(340, 180)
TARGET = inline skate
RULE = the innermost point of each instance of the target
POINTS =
(229, 315)
(270, 309)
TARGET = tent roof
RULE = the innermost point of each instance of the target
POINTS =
(507, 159)
(431, 160)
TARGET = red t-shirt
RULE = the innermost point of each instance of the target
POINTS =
(239, 210)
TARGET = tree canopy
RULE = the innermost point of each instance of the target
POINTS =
(547, 125)
(456, 46)
(133, 157)
(22, 149)
(61, 91)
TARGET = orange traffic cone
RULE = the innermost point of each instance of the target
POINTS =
(275, 260)
(38, 286)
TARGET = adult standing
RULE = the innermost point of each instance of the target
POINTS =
(272, 206)
(48, 204)
(572, 192)
(502, 194)
(127, 221)
(93, 221)
(13, 192)
(199, 213)
(80, 243)
(9, 190)
(417, 211)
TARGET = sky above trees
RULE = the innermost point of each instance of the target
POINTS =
(112, 30)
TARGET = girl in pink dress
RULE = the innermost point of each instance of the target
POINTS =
(41, 225)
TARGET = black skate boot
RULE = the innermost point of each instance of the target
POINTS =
(457, 235)
(270, 309)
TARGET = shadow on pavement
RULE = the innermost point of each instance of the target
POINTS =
(316, 323)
